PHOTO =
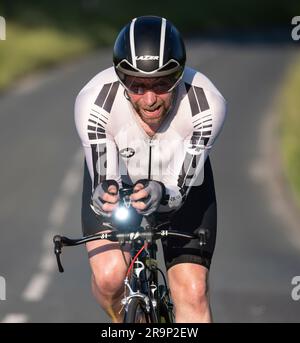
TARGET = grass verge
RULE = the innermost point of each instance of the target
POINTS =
(290, 127)
(27, 49)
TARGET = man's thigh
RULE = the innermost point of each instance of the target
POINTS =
(107, 257)
(198, 211)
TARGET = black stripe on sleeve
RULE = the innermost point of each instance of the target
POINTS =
(185, 169)
(92, 121)
(188, 171)
(96, 128)
(102, 95)
(192, 99)
(95, 159)
(111, 97)
(100, 121)
(205, 140)
(93, 136)
(99, 162)
(201, 99)
(206, 133)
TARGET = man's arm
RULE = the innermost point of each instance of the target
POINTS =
(206, 128)
(100, 150)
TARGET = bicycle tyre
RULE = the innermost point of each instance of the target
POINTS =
(136, 308)
(166, 315)
(165, 311)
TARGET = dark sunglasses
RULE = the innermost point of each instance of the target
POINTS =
(158, 85)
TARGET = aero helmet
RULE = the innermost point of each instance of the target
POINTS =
(149, 46)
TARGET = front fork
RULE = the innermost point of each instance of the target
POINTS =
(139, 288)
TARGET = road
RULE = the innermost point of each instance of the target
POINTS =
(255, 258)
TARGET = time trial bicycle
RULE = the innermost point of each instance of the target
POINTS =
(146, 299)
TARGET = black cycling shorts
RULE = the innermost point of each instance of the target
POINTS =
(198, 210)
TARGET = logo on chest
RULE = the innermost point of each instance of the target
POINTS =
(127, 152)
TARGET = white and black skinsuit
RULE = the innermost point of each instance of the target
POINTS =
(116, 146)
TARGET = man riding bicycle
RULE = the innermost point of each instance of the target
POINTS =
(149, 123)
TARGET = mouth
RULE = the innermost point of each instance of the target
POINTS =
(153, 113)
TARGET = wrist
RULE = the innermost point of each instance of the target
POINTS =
(164, 196)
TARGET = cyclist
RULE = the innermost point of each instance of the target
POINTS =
(149, 122)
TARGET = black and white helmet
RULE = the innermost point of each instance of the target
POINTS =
(149, 46)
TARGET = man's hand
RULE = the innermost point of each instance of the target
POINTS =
(146, 196)
(105, 198)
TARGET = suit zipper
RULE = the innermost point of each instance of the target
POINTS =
(150, 159)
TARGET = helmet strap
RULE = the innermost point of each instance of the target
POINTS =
(126, 95)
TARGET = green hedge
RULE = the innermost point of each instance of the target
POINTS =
(87, 15)
(40, 33)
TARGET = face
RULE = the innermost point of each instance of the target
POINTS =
(151, 105)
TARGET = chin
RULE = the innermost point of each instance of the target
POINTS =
(155, 120)
(152, 121)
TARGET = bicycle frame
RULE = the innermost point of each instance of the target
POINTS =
(142, 286)
(154, 301)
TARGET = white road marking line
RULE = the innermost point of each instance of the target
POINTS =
(69, 186)
(48, 261)
(40, 281)
(58, 212)
(37, 287)
(15, 318)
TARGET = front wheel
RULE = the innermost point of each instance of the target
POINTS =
(137, 312)
(165, 306)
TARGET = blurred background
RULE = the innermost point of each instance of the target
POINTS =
(250, 51)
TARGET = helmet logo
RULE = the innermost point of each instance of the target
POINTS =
(147, 58)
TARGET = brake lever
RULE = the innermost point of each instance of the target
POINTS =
(57, 251)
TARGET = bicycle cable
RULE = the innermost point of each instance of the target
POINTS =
(134, 259)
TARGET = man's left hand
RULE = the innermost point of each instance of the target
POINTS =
(147, 195)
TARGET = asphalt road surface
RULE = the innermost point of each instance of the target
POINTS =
(41, 170)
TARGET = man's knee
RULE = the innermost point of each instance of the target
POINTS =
(195, 293)
(108, 278)
(108, 266)
(189, 283)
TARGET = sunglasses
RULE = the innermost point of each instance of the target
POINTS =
(141, 85)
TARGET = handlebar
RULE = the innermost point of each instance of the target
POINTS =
(148, 234)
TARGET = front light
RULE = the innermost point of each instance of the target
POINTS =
(122, 213)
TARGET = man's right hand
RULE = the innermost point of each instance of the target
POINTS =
(105, 198)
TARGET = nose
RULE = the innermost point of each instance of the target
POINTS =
(150, 98)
